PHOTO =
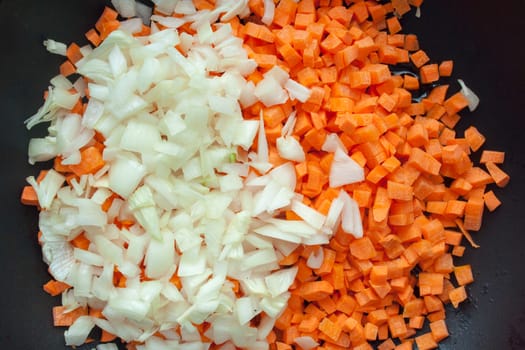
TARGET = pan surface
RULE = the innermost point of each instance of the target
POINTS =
(482, 37)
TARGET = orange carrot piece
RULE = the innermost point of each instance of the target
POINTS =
(496, 157)
(474, 138)
(457, 296)
(426, 342)
(463, 274)
(455, 103)
(61, 317)
(29, 196)
(91, 161)
(73, 53)
(67, 68)
(397, 326)
(429, 73)
(500, 177)
(316, 290)
(55, 288)
(93, 37)
(445, 68)
(491, 201)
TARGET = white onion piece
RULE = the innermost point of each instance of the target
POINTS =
(42, 149)
(131, 26)
(55, 47)
(288, 127)
(332, 143)
(297, 91)
(270, 92)
(166, 6)
(107, 346)
(126, 8)
(306, 342)
(48, 187)
(143, 12)
(473, 99)
(344, 170)
(334, 213)
(278, 282)
(289, 148)
(78, 332)
(315, 259)
(269, 10)
(262, 144)
(308, 214)
(351, 221)
(88, 257)
(125, 175)
(160, 256)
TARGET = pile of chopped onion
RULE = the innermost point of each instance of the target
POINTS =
(205, 207)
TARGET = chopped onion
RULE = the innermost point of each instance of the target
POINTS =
(47, 188)
(297, 91)
(473, 99)
(185, 200)
(55, 47)
(78, 332)
(306, 342)
(269, 10)
(315, 259)
(126, 8)
(351, 218)
(344, 170)
(289, 148)
(278, 282)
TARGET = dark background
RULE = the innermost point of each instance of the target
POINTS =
(483, 38)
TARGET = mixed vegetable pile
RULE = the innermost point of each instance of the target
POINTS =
(257, 174)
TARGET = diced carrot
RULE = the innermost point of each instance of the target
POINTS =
(474, 138)
(429, 73)
(93, 37)
(91, 161)
(62, 317)
(330, 329)
(445, 68)
(419, 58)
(317, 290)
(73, 53)
(500, 177)
(496, 157)
(426, 342)
(55, 288)
(397, 326)
(67, 68)
(463, 274)
(455, 103)
(457, 296)
(29, 196)
(491, 201)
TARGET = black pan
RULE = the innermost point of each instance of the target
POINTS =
(483, 37)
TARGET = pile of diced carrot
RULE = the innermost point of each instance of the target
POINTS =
(422, 192)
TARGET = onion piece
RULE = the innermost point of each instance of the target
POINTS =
(473, 99)
(269, 10)
(78, 332)
(351, 221)
(55, 47)
(306, 342)
(315, 259)
(344, 170)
